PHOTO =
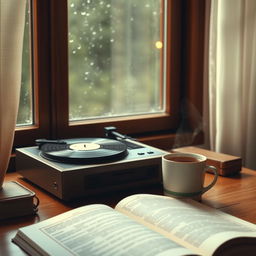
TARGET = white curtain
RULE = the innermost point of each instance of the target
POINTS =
(231, 94)
(12, 21)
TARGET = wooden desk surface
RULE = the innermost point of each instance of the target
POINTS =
(234, 195)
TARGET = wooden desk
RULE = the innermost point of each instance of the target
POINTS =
(234, 195)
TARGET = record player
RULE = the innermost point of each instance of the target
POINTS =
(75, 168)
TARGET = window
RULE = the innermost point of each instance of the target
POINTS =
(116, 66)
(25, 116)
(97, 63)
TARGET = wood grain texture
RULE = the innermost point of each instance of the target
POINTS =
(235, 195)
(226, 164)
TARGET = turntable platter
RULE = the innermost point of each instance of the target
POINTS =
(84, 150)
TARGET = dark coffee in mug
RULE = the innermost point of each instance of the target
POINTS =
(183, 159)
(183, 175)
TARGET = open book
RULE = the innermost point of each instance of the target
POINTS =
(144, 225)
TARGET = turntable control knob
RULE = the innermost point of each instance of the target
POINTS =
(55, 185)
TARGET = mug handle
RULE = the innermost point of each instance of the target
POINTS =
(214, 169)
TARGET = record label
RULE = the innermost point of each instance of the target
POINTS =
(84, 146)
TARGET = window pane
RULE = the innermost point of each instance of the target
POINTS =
(115, 58)
(25, 107)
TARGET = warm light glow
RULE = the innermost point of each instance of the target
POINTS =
(159, 45)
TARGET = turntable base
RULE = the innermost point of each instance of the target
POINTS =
(141, 167)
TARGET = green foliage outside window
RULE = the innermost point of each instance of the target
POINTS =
(114, 64)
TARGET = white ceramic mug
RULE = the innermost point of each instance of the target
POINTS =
(184, 174)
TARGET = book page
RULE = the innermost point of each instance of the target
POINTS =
(187, 222)
(96, 230)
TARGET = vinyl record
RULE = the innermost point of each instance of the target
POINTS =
(84, 151)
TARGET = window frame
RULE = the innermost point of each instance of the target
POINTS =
(26, 135)
(128, 125)
(185, 40)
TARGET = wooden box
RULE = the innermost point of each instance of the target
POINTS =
(226, 164)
